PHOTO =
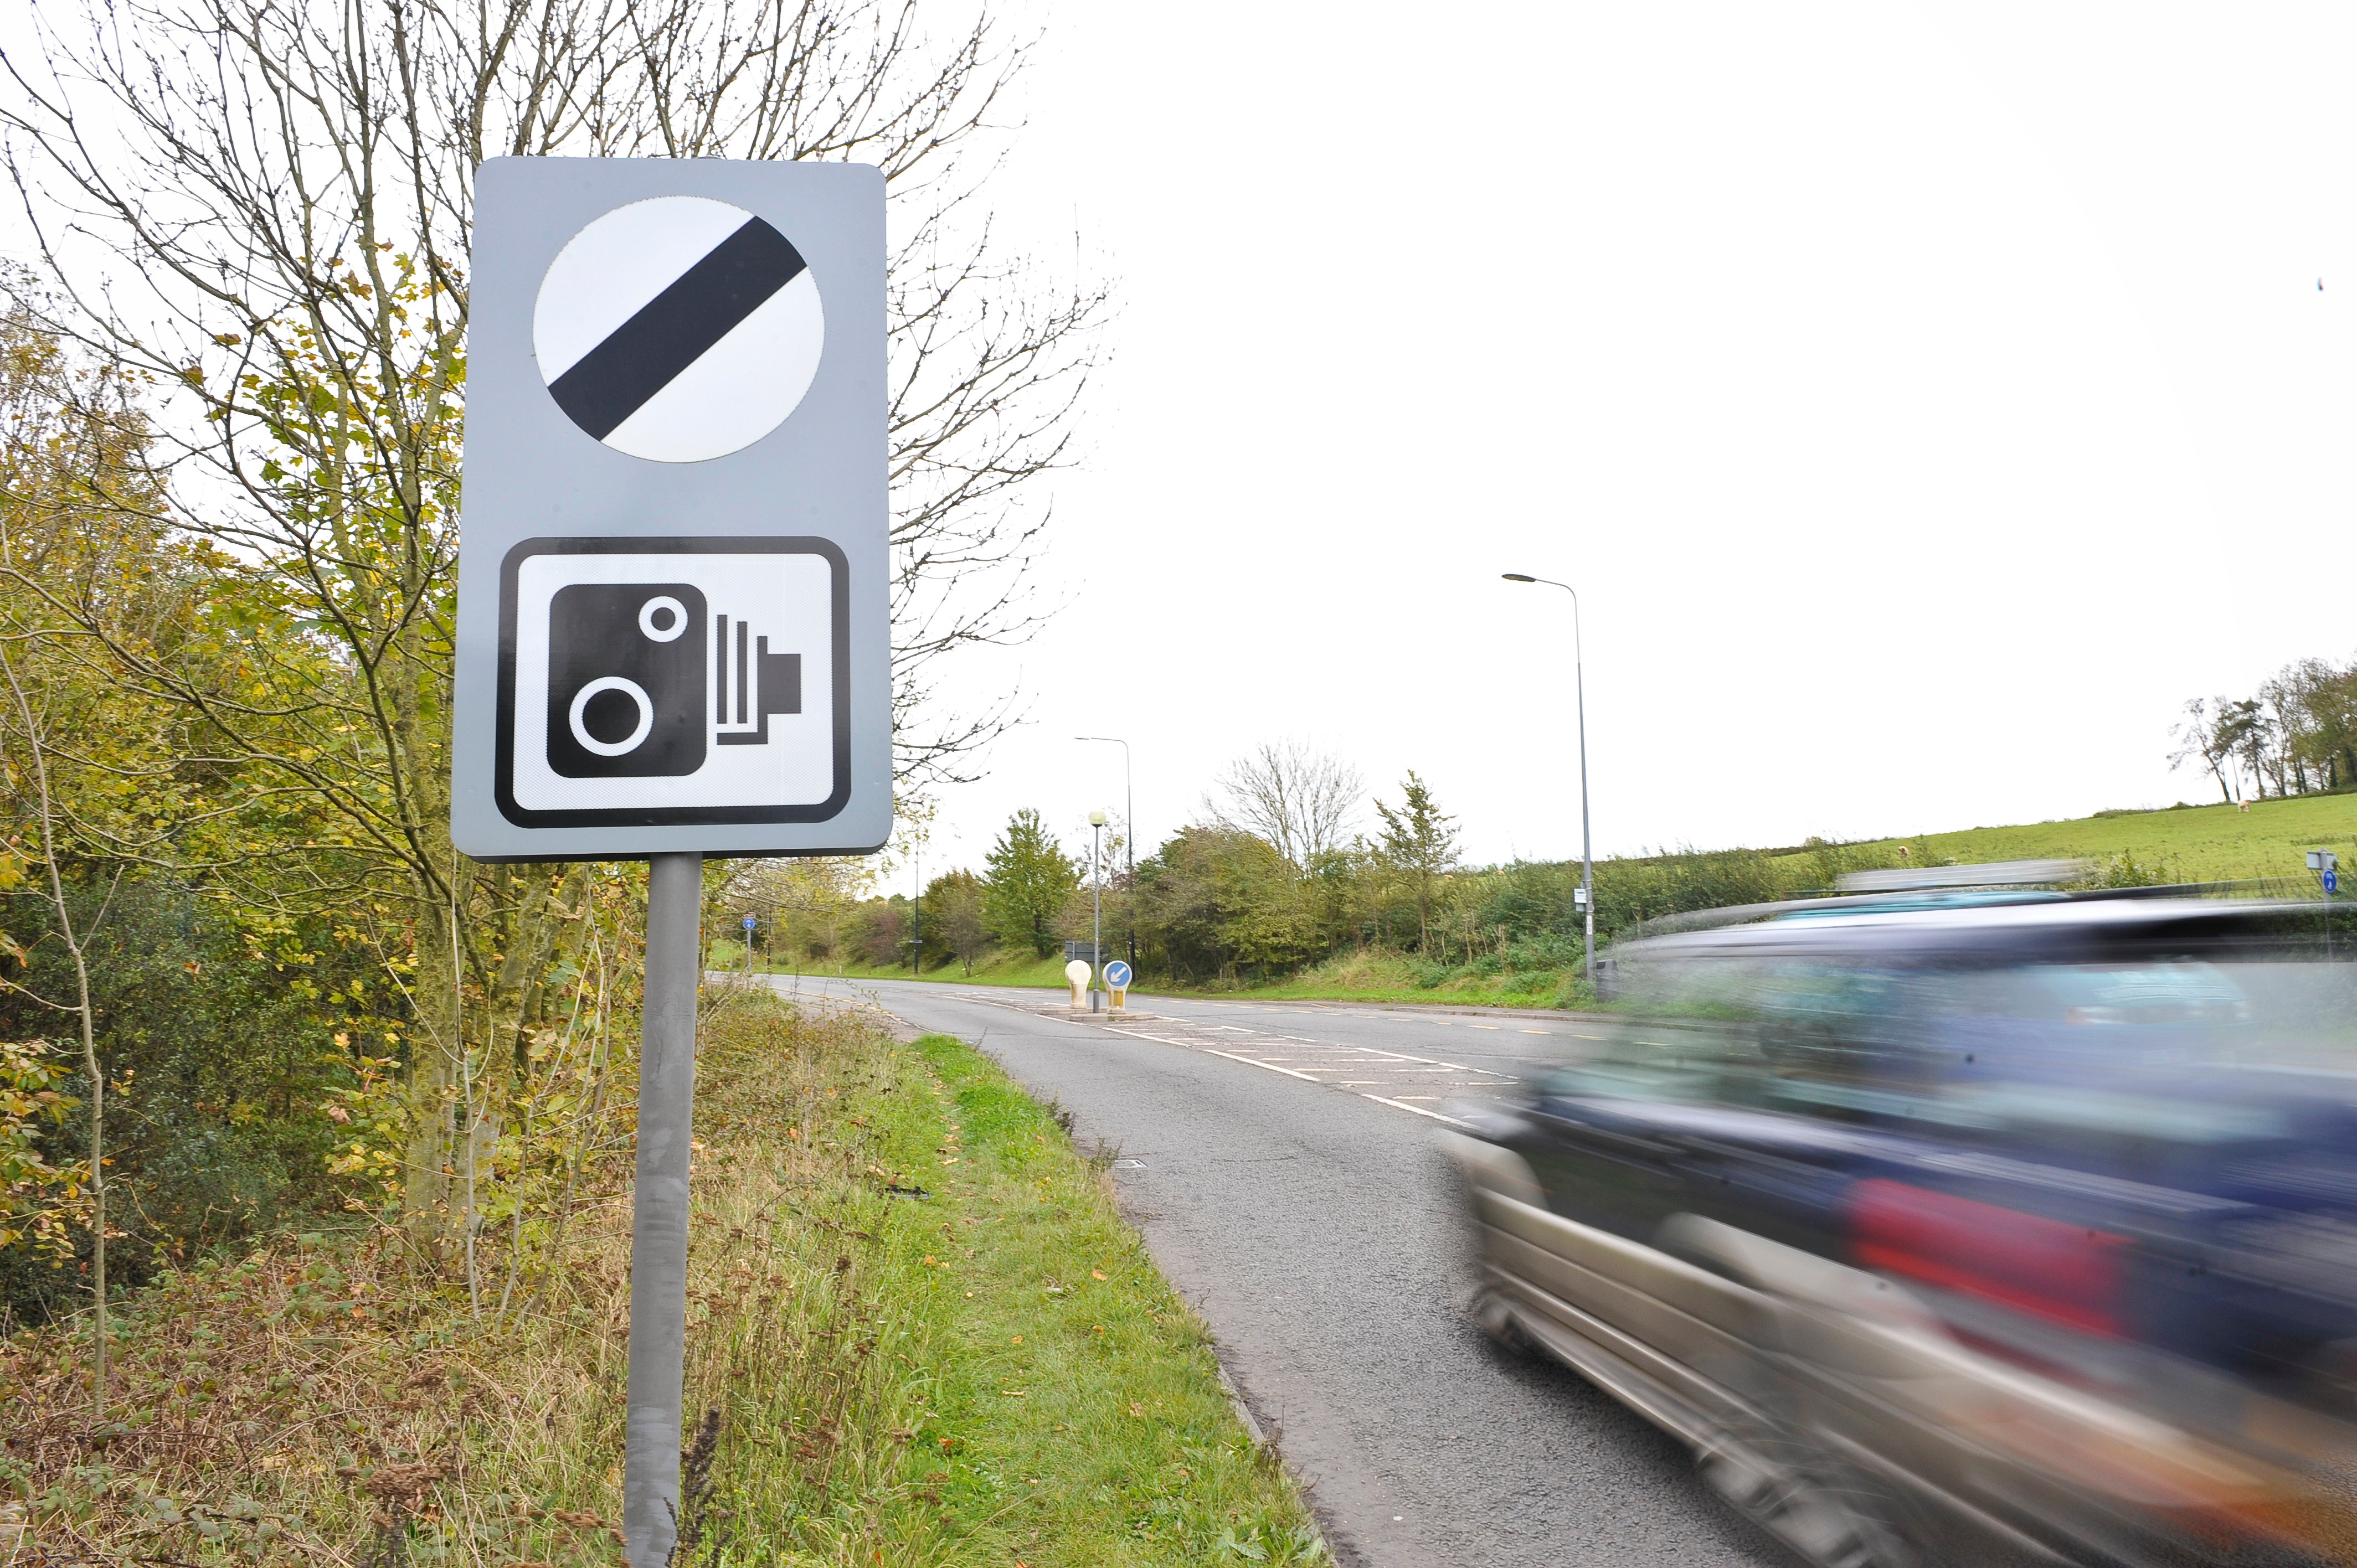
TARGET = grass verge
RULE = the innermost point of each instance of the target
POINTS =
(924, 1332)
(1348, 977)
(2190, 844)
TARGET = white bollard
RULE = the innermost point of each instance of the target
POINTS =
(1077, 975)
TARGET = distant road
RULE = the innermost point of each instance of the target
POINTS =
(1278, 1158)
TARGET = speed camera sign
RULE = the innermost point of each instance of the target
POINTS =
(672, 627)
(671, 680)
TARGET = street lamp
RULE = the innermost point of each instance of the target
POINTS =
(1128, 834)
(1586, 857)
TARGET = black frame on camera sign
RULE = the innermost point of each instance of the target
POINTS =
(738, 710)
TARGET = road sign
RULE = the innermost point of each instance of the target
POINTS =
(1117, 975)
(678, 328)
(748, 922)
(673, 623)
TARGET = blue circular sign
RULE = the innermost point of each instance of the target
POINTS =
(748, 922)
(1117, 975)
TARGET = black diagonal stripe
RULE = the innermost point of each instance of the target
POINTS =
(673, 330)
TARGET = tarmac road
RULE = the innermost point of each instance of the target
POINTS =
(1279, 1160)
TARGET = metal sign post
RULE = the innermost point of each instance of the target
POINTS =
(2327, 866)
(1096, 901)
(673, 628)
(659, 1211)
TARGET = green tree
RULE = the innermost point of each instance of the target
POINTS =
(1029, 880)
(1217, 900)
(954, 913)
(1420, 840)
(884, 932)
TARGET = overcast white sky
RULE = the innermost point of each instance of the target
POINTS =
(1925, 399)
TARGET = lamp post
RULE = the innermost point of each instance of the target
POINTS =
(1096, 898)
(917, 922)
(1586, 856)
(1128, 834)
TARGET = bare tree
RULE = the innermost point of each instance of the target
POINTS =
(1302, 800)
(2212, 733)
(262, 208)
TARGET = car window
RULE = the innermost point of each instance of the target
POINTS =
(1776, 1033)
(2129, 1052)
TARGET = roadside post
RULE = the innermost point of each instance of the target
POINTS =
(1128, 832)
(748, 947)
(673, 632)
(1096, 899)
(1117, 976)
(2327, 866)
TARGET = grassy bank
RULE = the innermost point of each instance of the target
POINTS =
(1395, 977)
(1349, 977)
(2195, 844)
(998, 966)
(924, 1334)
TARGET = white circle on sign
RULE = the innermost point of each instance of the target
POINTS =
(669, 606)
(604, 684)
(678, 328)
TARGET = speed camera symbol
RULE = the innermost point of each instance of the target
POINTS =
(626, 679)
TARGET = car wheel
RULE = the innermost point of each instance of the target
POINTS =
(1828, 1516)
(1496, 1321)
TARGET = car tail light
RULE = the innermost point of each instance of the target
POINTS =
(2065, 1274)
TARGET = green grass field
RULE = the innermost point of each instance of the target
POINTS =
(2198, 844)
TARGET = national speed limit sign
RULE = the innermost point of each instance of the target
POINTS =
(672, 618)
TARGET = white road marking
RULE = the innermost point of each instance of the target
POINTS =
(1271, 1066)
(1413, 1110)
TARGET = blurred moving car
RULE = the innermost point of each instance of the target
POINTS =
(1961, 1228)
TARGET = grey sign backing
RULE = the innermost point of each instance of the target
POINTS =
(673, 623)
